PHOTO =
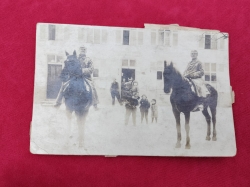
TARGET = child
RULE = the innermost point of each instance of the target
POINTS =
(145, 105)
(154, 110)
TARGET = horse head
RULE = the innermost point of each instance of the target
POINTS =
(71, 58)
(168, 77)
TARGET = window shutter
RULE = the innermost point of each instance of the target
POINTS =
(201, 41)
(214, 41)
(59, 32)
(90, 35)
(97, 36)
(82, 34)
(118, 37)
(132, 37)
(175, 38)
(66, 33)
(104, 36)
(42, 29)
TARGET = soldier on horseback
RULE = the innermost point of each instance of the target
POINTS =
(194, 73)
(87, 70)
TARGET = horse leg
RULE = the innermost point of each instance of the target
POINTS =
(81, 123)
(213, 112)
(178, 127)
(187, 118)
(208, 119)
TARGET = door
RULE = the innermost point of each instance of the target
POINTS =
(128, 74)
(53, 82)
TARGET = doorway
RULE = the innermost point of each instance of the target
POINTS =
(128, 74)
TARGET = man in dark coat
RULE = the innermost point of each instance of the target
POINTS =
(144, 106)
(114, 90)
(130, 106)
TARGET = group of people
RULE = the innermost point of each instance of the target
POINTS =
(129, 90)
(130, 96)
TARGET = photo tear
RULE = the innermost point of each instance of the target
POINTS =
(162, 90)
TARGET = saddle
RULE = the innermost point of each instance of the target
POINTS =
(199, 87)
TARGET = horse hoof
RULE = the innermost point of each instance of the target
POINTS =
(214, 138)
(208, 138)
(187, 146)
(178, 145)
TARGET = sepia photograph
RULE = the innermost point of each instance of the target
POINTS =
(162, 90)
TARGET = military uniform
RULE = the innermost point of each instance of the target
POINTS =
(195, 72)
(131, 109)
(114, 90)
(87, 70)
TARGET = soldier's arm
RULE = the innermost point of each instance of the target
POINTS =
(199, 72)
(90, 69)
(65, 73)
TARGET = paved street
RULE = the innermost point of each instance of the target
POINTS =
(106, 134)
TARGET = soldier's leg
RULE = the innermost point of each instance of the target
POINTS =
(142, 116)
(118, 97)
(134, 116)
(113, 98)
(146, 116)
(59, 96)
(128, 113)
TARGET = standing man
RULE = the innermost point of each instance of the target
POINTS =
(130, 106)
(114, 90)
(194, 71)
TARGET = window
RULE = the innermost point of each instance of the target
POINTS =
(132, 62)
(210, 41)
(213, 77)
(207, 77)
(128, 63)
(125, 37)
(162, 37)
(96, 73)
(207, 41)
(52, 59)
(175, 38)
(104, 36)
(210, 72)
(81, 34)
(125, 62)
(52, 32)
(159, 75)
(97, 36)
(89, 35)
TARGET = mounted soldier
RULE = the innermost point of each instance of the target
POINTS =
(87, 70)
(194, 73)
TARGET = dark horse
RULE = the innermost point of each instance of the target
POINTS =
(184, 100)
(77, 93)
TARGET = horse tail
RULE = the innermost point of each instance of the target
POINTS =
(213, 99)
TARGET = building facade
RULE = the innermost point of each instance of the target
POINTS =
(120, 53)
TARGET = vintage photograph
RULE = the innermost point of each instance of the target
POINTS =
(162, 90)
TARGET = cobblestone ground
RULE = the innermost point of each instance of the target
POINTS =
(106, 134)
